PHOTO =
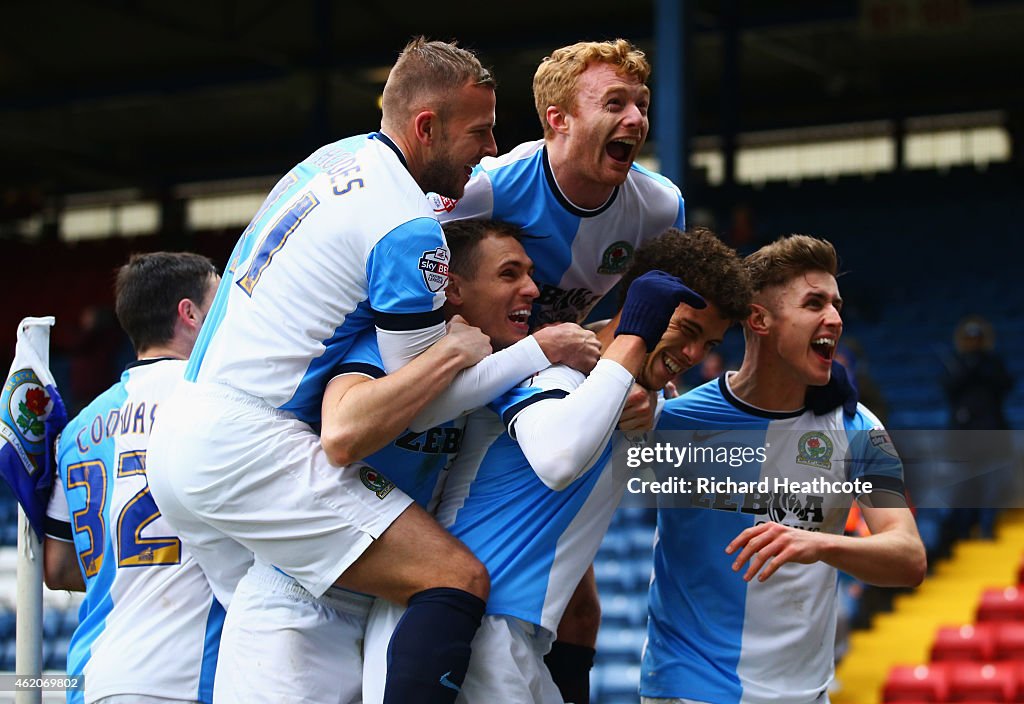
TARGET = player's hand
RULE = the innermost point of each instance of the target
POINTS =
(569, 344)
(771, 545)
(639, 411)
(466, 342)
(670, 390)
(650, 302)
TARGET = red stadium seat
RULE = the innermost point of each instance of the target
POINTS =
(964, 643)
(975, 681)
(916, 683)
(1008, 639)
(1001, 604)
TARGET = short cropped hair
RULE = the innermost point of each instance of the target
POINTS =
(428, 70)
(149, 288)
(554, 83)
(464, 238)
(789, 257)
(703, 262)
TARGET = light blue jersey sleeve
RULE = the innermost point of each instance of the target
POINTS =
(363, 357)
(872, 455)
(407, 271)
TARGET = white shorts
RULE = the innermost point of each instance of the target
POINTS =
(282, 644)
(384, 616)
(236, 477)
(507, 665)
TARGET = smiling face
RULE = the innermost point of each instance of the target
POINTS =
(498, 296)
(464, 135)
(690, 335)
(609, 124)
(805, 324)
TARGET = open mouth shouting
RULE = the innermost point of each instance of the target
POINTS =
(621, 149)
(824, 347)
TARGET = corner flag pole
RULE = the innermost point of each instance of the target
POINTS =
(26, 436)
(28, 656)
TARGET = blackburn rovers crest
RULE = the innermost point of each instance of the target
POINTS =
(376, 482)
(26, 406)
(815, 450)
(616, 258)
(434, 267)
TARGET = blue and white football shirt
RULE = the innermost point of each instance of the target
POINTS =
(149, 624)
(414, 462)
(711, 636)
(346, 238)
(535, 542)
(579, 254)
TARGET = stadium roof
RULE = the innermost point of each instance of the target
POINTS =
(137, 93)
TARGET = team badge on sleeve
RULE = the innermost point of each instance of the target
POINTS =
(880, 439)
(434, 267)
(815, 450)
(376, 482)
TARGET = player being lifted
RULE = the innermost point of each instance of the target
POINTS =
(345, 241)
(743, 599)
(272, 618)
(149, 626)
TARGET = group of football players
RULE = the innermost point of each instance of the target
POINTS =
(374, 462)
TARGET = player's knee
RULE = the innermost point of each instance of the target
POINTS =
(469, 574)
(460, 569)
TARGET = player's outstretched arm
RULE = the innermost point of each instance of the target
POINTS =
(480, 384)
(892, 556)
(587, 416)
(361, 415)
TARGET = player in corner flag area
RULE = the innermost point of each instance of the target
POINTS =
(32, 414)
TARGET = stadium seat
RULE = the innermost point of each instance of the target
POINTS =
(624, 610)
(616, 543)
(641, 540)
(615, 576)
(1008, 641)
(617, 644)
(1001, 604)
(53, 623)
(70, 622)
(975, 681)
(617, 680)
(7, 655)
(9, 534)
(916, 683)
(7, 623)
(964, 643)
